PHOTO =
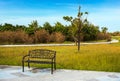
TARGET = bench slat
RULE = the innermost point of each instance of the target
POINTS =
(41, 62)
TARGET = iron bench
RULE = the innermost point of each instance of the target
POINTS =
(41, 56)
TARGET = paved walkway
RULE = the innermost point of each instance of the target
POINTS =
(113, 41)
(13, 73)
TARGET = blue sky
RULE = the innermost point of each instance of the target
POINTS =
(103, 13)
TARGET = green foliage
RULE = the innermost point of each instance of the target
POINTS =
(90, 32)
(7, 27)
(77, 25)
(29, 31)
(116, 37)
(59, 27)
(70, 32)
(104, 29)
(20, 27)
(73, 27)
(33, 26)
(68, 18)
(48, 27)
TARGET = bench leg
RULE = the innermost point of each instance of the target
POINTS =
(51, 68)
(54, 65)
(22, 66)
(28, 65)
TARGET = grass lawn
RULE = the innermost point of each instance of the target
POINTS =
(104, 57)
(116, 37)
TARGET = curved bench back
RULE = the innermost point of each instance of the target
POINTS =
(42, 53)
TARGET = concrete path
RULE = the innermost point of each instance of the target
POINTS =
(113, 41)
(37, 45)
(13, 73)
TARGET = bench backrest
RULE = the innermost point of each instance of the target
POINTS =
(42, 53)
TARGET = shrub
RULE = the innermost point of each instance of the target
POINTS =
(2, 37)
(57, 37)
(10, 37)
(100, 36)
(104, 36)
(6, 37)
(42, 36)
(21, 37)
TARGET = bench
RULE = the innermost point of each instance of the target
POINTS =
(41, 56)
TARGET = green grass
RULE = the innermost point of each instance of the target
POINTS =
(116, 37)
(105, 57)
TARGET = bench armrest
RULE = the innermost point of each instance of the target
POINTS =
(54, 57)
(24, 57)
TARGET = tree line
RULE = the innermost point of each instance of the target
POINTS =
(34, 33)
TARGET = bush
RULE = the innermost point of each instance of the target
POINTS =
(6, 37)
(10, 37)
(100, 36)
(42, 36)
(107, 37)
(104, 36)
(21, 37)
(2, 37)
(57, 37)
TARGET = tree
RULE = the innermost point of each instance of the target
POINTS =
(48, 27)
(33, 26)
(59, 27)
(7, 27)
(76, 25)
(90, 32)
(106, 35)
(20, 27)
(104, 30)
(73, 27)
(0, 27)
